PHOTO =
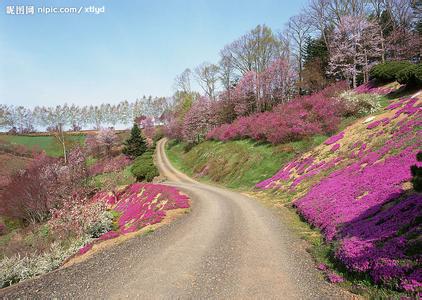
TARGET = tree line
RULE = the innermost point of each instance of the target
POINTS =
(328, 41)
(20, 119)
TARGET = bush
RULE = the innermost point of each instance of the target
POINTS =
(158, 133)
(387, 72)
(102, 225)
(143, 168)
(358, 105)
(412, 75)
(27, 196)
(78, 217)
(302, 117)
(108, 165)
(16, 268)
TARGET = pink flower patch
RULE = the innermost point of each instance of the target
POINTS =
(334, 278)
(335, 148)
(109, 235)
(85, 249)
(334, 138)
(373, 124)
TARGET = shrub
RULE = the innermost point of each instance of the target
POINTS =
(17, 268)
(102, 225)
(78, 217)
(387, 72)
(30, 201)
(295, 120)
(411, 75)
(143, 167)
(358, 105)
(135, 145)
(108, 165)
(158, 133)
(417, 174)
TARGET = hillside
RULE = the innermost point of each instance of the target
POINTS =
(355, 187)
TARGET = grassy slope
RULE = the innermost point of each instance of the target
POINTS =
(46, 143)
(236, 164)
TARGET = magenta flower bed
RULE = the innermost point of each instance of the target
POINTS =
(373, 124)
(334, 278)
(362, 205)
(371, 88)
(334, 138)
(142, 204)
(109, 235)
(85, 249)
(139, 205)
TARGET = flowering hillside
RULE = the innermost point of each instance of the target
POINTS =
(140, 204)
(356, 189)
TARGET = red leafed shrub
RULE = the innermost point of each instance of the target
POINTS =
(43, 185)
(303, 116)
(27, 194)
(107, 165)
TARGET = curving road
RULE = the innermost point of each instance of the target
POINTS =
(229, 246)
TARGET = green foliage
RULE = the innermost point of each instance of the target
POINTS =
(102, 225)
(158, 134)
(417, 174)
(123, 177)
(135, 145)
(143, 167)
(411, 75)
(236, 164)
(316, 49)
(388, 71)
(12, 224)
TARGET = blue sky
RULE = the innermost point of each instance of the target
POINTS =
(134, 48)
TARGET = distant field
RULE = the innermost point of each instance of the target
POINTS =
(46, 143)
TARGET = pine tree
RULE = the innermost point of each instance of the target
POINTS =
(417, 174)
(136, 144)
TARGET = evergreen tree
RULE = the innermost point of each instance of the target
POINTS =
(417, 174)
(136, 144)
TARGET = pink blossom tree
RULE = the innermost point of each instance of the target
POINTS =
(106, 139)
(277, 84)
(245, 94)
(198, 120)
(355, 43)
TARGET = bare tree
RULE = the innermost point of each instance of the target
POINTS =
(207, 76)
(299, 28)
(5, 116)
(253, 51)
(182, 82)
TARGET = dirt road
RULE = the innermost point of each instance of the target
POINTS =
(228, 247)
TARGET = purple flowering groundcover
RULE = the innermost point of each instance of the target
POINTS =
(362, 204)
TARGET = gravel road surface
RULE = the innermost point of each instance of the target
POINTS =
(228, 247)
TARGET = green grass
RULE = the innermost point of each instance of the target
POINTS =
(47, 143)
(236, 164)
